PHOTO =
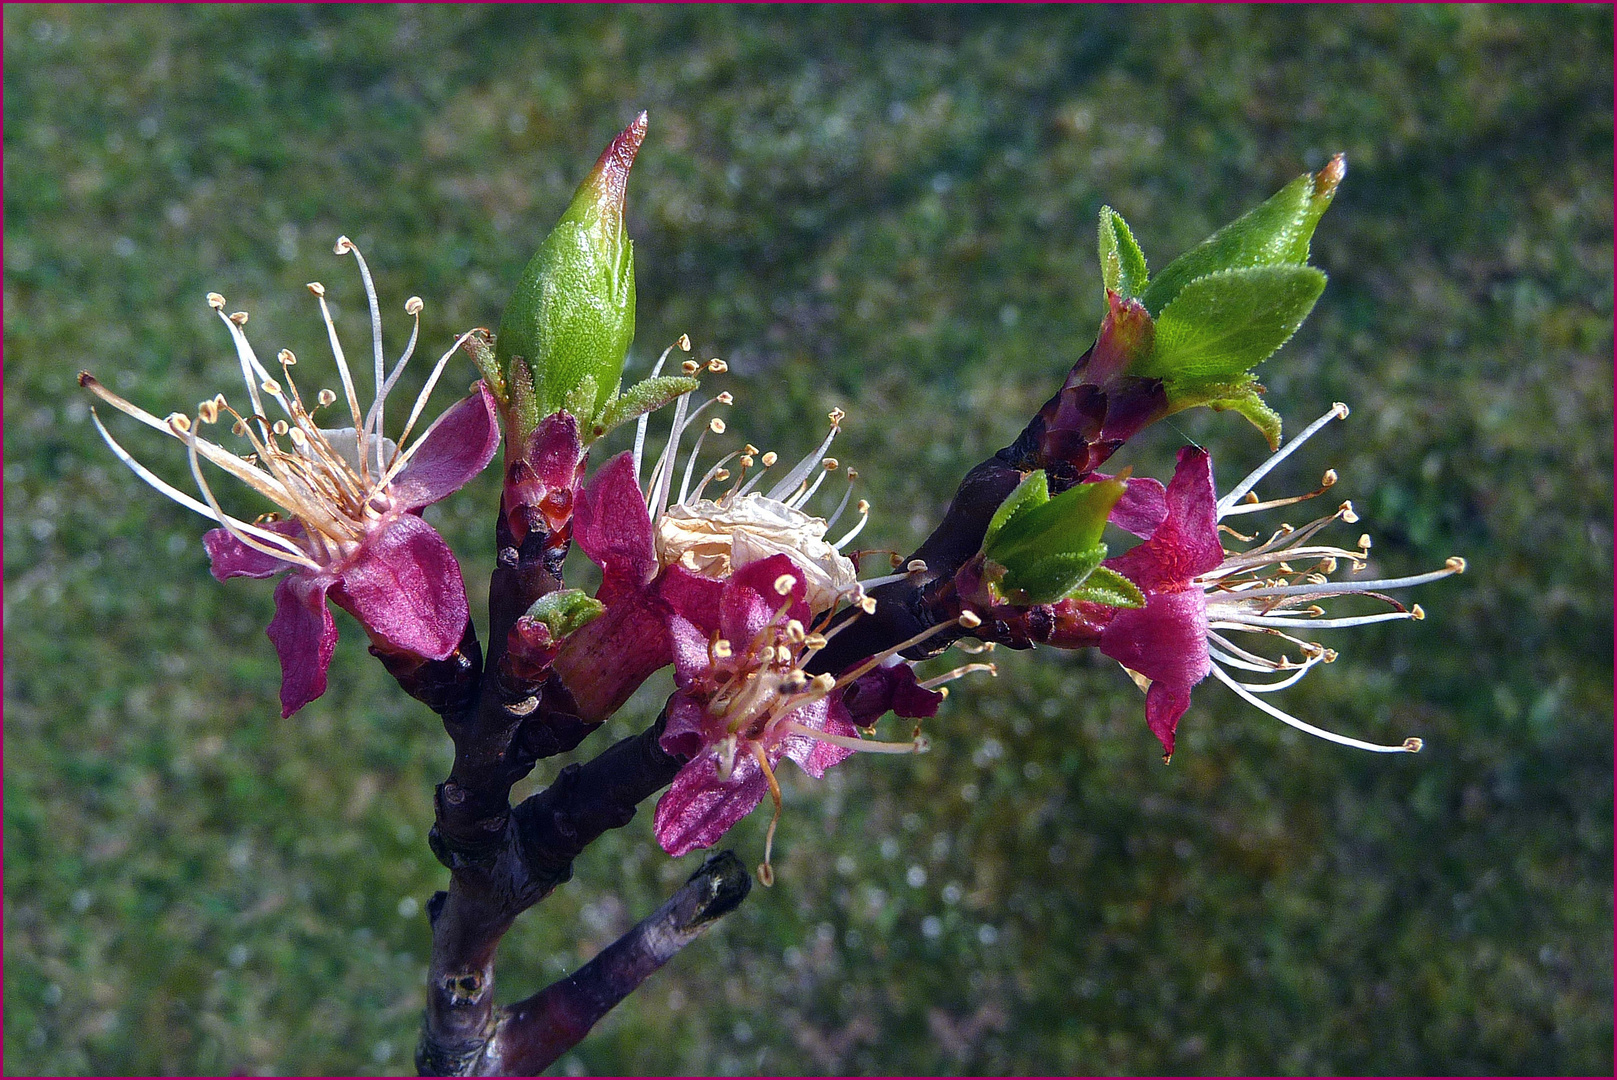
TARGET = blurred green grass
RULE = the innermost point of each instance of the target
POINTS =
(892, 210)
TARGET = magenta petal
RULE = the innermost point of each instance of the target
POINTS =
(812, 755)
(1164, 705)
(1166, 641)
(405, 588)
(304, 636)
(889, 687)
(604, 662)
(750, 600)
(684, 732)
(1186, 543)
(692, 597)
(611, 525)
(1143, 506)
(697, 809)
(459, 446)
(229, 557)
(690, 648)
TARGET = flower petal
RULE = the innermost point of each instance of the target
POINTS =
(229, 557)
(459, 446)
(889, 687)
(604, 662)
(750, 599)
(1186, 543)
(1164, 705)
(812, 755)
(611, 525)
(1166, 641)
(698, 809)
(304, 635)
(405, 587)
(683, 733)
(1142, 508)
(692, 597)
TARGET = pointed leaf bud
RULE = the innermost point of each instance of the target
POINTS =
(571, 318)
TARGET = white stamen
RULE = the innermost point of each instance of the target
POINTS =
(1409, 746)
(1235, 494)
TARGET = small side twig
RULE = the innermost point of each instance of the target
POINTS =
(532, 1034)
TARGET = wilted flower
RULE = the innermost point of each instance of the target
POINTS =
(1197, 592)
(352, 497)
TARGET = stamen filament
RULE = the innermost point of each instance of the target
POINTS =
(1408, 746)
(1236, 493)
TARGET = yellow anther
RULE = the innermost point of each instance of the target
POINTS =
(1413, 745)
(1347, 513)
(769, 459)
(716, 426)
(829, 464)
(239, 318)
(717, 366)
(271, 386)
(795, 631)
(784, 584)
(722, 650)
(726, 398)
(208, 411)
(722, 475)
(1417, 613)
(216, 301)
(286, 358)
(690, 367)
(836, 416)
(343, 246)
(864, 506)
(279, 427)
(867, 604)
(1364, 541)
(915, 566)
(413, 306)
(823, 684)
(1455, 563)
(814, 641)
(749, 450)
(1328, 479)
(853, 473)
(239, 427)
(684, 343)
(970, 620)
(767, 654)
(326, 397)
(317, 288)
(179, 422)
(1340, 410)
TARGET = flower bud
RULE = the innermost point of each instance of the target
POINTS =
(569, 322)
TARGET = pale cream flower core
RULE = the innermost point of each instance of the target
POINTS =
(714, 539)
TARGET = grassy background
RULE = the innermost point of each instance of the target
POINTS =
(892, 210)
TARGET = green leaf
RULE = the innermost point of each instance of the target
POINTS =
(1108, 587)
(1031, 492)
(1274, 234)
(1248, 401)
(644, 396)
(1122, 264)
(566, 610)
(1048, 578)
(482, 354)
(1223, 324)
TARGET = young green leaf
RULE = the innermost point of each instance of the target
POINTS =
(1108, 587)
(1223, 324)
(1048, 578)
(1122, 264)
(645, 396)
(1274, 234)
(564, 611)
(1031, 492)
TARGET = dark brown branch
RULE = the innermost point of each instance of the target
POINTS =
(519, 864)
(532, 1034)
